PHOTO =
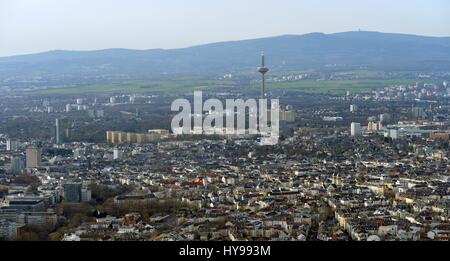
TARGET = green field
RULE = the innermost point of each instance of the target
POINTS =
(366, 81)
(339, 86)
(363, 74)
(172, 86)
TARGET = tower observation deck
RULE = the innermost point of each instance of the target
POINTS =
(263, 70)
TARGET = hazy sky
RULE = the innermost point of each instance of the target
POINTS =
(28, 26)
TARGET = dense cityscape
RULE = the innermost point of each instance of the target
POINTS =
(224, 129)
(366, 166)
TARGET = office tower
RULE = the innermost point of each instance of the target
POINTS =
(353, 108)
(117, 154)
(263, 70)
(12, 145)
(72, 192)
(17, 164)
(373, 126)
(79, 101)
(356, 129)
(33, 155)
(287, 116)
(112, 100)
(57, 132)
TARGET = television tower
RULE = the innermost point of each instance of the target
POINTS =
(263, 70)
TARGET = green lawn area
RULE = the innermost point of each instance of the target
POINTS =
(364, 74)
(339, 86)
(366, 82)
(173, 86)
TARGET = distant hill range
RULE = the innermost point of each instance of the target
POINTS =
(371, 50)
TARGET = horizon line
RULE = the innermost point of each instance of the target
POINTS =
(210, 43)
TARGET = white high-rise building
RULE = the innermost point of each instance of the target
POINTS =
(12, 145)
(356, 129)
(117, 154)
(353, 108)
(288, 116)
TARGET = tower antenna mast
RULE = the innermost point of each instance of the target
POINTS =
(263, 70)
